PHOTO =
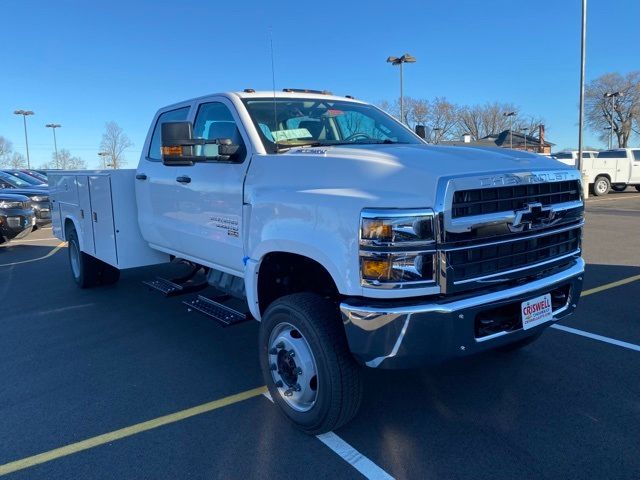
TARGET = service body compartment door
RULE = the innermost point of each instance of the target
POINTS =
(102, 218)
(84, 215)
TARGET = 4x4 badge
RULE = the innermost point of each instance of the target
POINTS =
(532, 216)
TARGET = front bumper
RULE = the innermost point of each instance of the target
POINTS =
(16, 225)
(410, 335)
(42, 212)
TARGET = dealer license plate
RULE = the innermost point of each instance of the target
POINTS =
(536, 311)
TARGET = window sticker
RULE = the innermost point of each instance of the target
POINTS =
(293, 134)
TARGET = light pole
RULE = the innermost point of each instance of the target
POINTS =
(25, 114)
(510, 115)
(406, 58)
(525, 130)
(53, 127)
(612, 96)
(436, 130)
(583, 56)
(103, 158)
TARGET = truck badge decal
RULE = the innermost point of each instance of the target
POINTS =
(532, 216)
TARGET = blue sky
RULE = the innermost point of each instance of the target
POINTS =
(82, 64)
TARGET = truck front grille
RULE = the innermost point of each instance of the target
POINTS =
(480, 201)
(493, 259)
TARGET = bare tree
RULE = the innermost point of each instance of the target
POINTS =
(483, 120)
(16, 161)
(114, 143)
(6, 147)
(443, 119)
(620, 112)
(416, 111)
(65, 161)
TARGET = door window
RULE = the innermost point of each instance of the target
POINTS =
(179, 115)
(214, 121)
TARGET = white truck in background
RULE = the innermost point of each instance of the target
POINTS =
(613, 169)
(349, 239)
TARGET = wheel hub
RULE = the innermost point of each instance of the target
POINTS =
(293, 367)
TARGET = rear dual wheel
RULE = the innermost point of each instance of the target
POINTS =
(86, 270)
(307, 365)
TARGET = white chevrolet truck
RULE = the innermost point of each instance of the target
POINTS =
(352, 241)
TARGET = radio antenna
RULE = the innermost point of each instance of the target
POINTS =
(273, 84)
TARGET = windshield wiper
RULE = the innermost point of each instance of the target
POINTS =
(372, 141)
(283, 146)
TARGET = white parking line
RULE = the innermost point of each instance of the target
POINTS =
(595, 336)
(349, 454)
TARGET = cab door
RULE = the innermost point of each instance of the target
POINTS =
(156, 189)
(210, 194)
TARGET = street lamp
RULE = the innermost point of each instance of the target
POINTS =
(510, 115)
(103, 156)
(25, 114)
(406, 58)
(612, 96)
(53, 127)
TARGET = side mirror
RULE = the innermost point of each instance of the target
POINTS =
(180, 148)
(421, 131)
(177, 146)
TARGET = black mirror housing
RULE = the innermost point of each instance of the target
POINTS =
(180, 148)
(421, 131)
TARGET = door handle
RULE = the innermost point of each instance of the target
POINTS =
(95, 217)
(141, 176)
(183, 179)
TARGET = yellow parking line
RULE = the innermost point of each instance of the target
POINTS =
(52, 252)
(128, 431)
(607, 286)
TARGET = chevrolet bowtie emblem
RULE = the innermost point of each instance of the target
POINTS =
(532, 216)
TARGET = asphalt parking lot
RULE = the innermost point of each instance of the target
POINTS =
(103, 383)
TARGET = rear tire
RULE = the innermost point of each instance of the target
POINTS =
(638, 188)
(601, 186)
(319, 388)
(84, 268)
(108, 275)
(619, 187)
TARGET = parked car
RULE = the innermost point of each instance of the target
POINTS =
(38, 175)
(616, 169)
(17, 219)
(27, 177)
(570, 157)
(9, 181)
(40, 203)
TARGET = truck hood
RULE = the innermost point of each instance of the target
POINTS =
(396, 175)
(440, 161)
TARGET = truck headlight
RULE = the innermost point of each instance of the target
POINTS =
(397, 248)
(10, 204)
(390, 228)
(379, 268)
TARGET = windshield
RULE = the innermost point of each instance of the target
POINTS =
(293, 122)
(26, 178)
(13, 181)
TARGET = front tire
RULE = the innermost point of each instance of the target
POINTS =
(306, 363)
(601, 186)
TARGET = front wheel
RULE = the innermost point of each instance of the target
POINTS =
(307, 365)
(601, 186)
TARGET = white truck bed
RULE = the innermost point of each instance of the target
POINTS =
(102, 206)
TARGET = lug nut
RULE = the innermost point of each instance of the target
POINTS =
(298, 371)
(288, 392)
(280, 346)
(292, 353)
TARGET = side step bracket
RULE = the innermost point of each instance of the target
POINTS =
(177, 286)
